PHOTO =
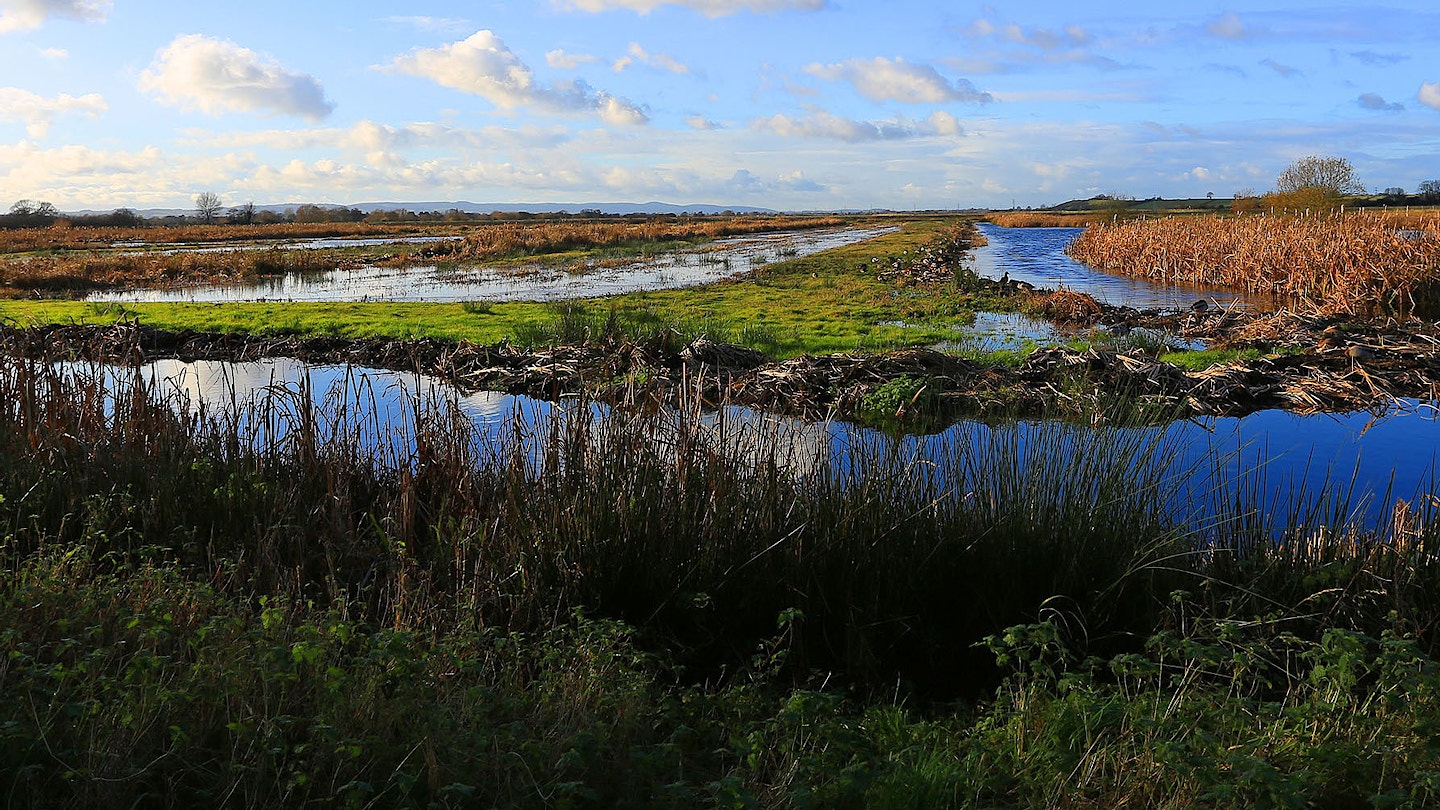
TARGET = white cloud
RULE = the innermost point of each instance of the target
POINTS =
(217, 76)
(484, 66)
(1430, 95)
(700, 122)
(639, 55)
(1228, 26)
(560, 60)
(36, 112)
(882, 79)
(369, 137)
(26, 15)
(827, 125)
(55, 54)
(710, 8)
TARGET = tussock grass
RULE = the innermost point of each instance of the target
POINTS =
(1355, 263)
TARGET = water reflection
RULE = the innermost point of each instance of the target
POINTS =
(723, 258)
(1037, 256)
(1289, 464)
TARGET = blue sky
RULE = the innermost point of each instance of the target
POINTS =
(789, 104)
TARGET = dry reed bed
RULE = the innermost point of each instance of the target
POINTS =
(1041, 219)
(90, 238)
(1353, 264)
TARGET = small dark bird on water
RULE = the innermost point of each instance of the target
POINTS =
(1120, 330)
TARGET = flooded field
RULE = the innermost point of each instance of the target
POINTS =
(522, 281)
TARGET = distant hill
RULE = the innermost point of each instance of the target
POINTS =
(480, 208)
(1152, 204)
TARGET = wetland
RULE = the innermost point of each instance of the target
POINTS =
(920, 519)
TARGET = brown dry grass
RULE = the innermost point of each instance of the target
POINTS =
(1356, 263)
(1045, 219)
(521, 238)
(68, 274)
(89, 238)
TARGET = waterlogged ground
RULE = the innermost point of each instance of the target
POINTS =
(1305, 467)
(521, 281)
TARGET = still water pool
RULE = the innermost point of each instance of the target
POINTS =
(1290, 465)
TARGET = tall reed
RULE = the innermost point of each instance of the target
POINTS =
(1352, 263)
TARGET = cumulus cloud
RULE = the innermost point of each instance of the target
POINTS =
(710, 8)
(1430, 95)
(1374, 101)
(27, 15)
(700, 122)
(638, 55)
(217, 76)
(826, 125)
(484, 66)
(561, 60)
(36, 112)
(882, 79)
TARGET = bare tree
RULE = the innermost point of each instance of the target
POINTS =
(242, 214)
(1429, 191)
(30, 214)
(207, 206)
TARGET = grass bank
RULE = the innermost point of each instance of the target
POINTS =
(634, 613)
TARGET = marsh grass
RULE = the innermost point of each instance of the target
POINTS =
(286, 601)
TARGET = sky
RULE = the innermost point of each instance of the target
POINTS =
(784, 104)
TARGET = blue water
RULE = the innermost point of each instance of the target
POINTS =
(1293, 465)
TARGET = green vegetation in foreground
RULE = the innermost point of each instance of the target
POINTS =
(829, 302)
(632, 615)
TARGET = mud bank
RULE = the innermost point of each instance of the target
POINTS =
(918, 388)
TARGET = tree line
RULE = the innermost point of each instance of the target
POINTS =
(209, 210)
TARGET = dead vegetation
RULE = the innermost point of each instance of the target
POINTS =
(1047, 219)
(1353, 264)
